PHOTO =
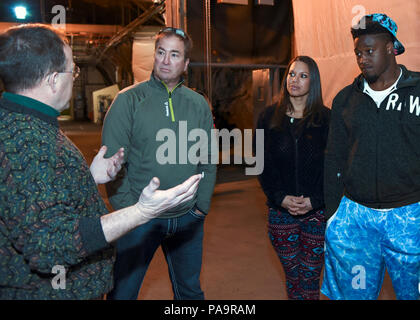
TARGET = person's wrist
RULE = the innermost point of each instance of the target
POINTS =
(94, 174)
(143, 214)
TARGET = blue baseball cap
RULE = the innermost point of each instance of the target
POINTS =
(390, 25)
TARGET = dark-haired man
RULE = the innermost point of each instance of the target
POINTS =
(146, 118)
(52, 217)
(373, 166)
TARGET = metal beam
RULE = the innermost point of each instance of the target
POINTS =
(141, 4)
(238, 65)
(132, 26)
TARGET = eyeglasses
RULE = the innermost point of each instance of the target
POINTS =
(177, 31)
(75, 71)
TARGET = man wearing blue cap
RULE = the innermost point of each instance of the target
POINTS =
(372, 172)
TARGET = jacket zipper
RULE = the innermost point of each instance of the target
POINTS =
(170, 99)
(295, 139)
(170, 107)
(377, 144)
(377, 135)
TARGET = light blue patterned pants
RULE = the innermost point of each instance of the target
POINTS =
(360, 242)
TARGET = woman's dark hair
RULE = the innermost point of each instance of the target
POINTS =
(28, 53)
(312, 115)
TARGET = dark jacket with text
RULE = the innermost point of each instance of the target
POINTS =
(373, 154)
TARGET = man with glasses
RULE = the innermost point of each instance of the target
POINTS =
(55, 233)
(138, 116)
(75, 72)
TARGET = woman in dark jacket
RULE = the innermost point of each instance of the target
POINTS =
(295, 137)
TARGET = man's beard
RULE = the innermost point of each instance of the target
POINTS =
(371, 78)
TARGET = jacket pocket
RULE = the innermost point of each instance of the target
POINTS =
(197, 215)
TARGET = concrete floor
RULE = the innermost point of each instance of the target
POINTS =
(238, 260)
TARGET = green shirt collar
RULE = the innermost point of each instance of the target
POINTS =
(31, 103)
(163, 84)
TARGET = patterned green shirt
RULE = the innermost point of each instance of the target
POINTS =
(51, 241)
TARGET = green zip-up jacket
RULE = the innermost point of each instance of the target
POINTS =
(156, 128)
